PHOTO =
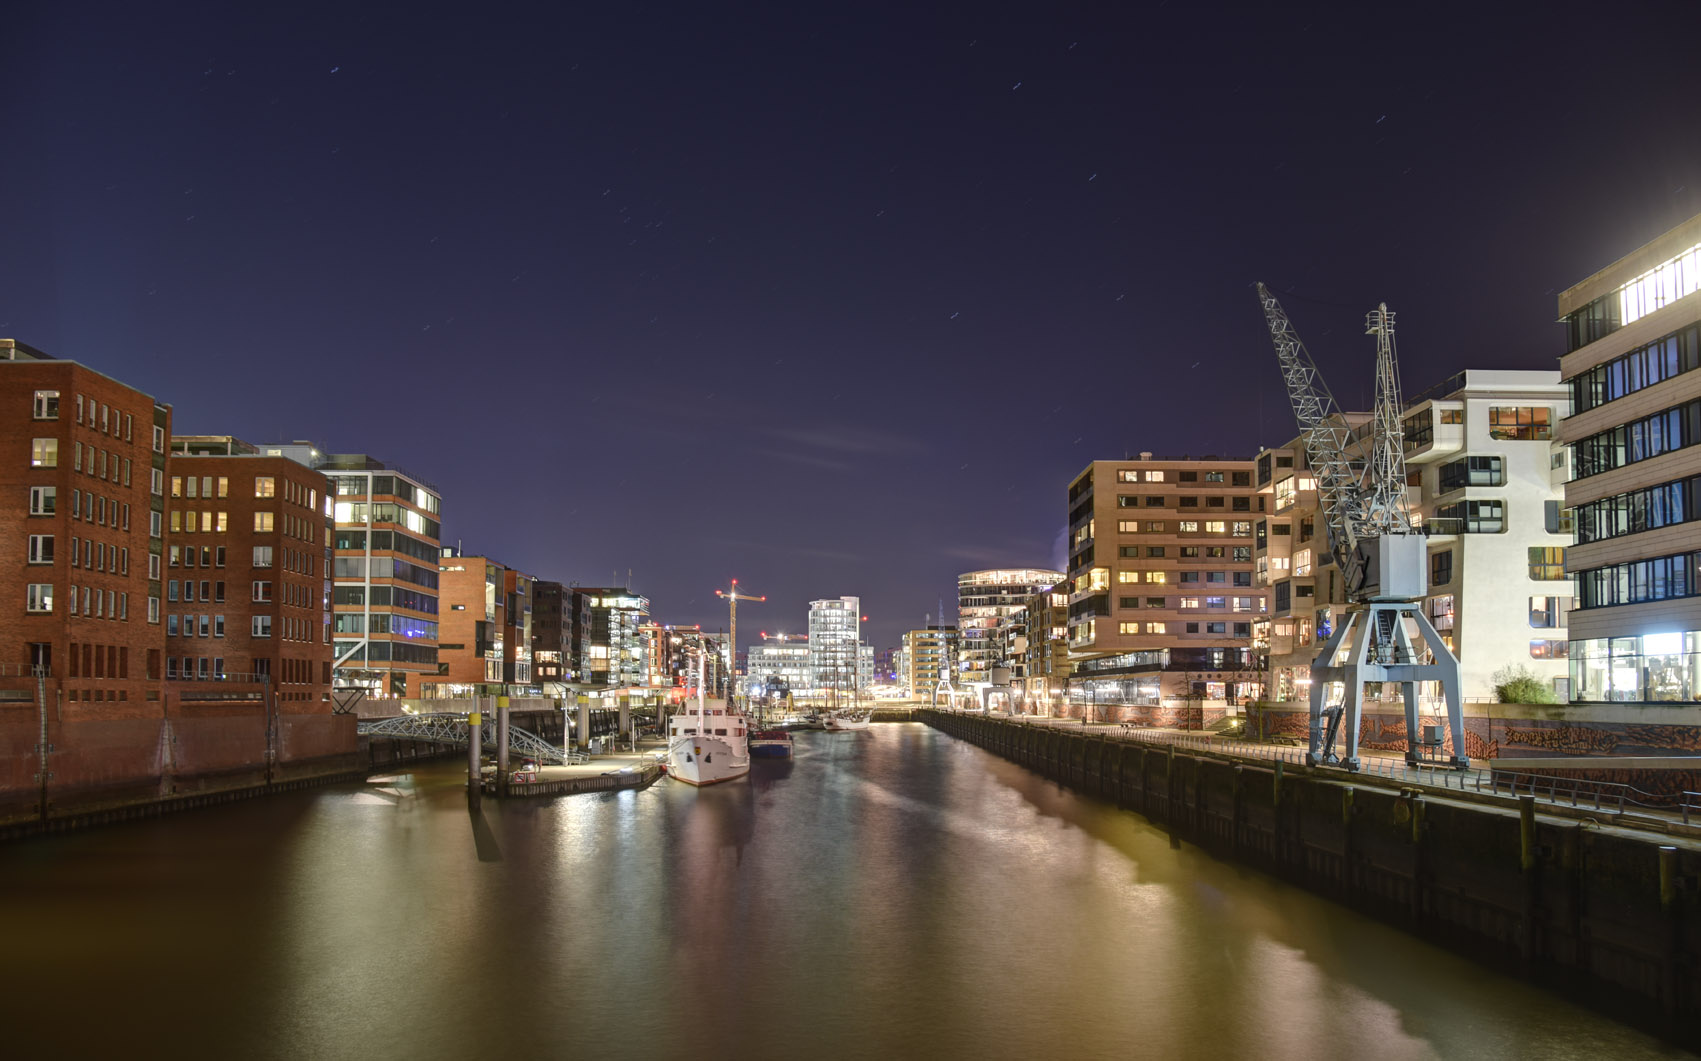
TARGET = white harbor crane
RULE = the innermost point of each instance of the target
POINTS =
(1382, 554)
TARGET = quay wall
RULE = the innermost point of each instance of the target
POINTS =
(103, 770)
(1505, 731)
(1606, 914)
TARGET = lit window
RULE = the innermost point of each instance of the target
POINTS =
(265, 486)
(44, 453)
(263, 522)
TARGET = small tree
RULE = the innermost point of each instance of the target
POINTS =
(1518, 684)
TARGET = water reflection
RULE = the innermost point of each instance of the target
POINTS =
(893, 893)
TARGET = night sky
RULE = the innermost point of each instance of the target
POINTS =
(831, 300)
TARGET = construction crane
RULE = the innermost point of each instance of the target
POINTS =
(732, 597)
(1382, 554)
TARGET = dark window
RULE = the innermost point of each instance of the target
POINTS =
(1441, 568)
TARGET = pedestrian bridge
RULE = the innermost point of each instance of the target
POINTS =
(452, 729)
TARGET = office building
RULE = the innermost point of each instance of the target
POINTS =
(384, 571)
(779, 658)
(1633, 344)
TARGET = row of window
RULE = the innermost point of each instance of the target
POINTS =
(1638, 440)
(96, 603)
(1652, 667)
(1639, 510)
(1662, 578)
(97, 661)
(1472, 471)
(101, 417)
(1665, 357)
(1659, 286)
(1157, 475)
(1186, 526)
(259, 626)
(1239, 604)
(1237, 503)
(1240, 629)
(192, 556)
(1240, 553)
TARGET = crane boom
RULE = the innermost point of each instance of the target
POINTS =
(1325, 432)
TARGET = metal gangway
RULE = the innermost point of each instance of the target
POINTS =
(452, 729)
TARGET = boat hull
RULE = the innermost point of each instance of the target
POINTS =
(774, 744)
(705, 761)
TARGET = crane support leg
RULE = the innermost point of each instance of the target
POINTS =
(1446, 670)
(1321, 748)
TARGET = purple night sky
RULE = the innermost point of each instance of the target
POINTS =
(833, 301)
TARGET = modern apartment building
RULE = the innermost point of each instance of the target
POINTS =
(932, 653)
(612, 646)
(986, 602)
(1633, 344)
(1046, 668)
(473, 628)
(1485, 479)
(1163, 598)
(553, 662)
(247, 573)
(384, 571)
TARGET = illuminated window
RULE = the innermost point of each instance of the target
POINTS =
(265, 486)
(1128, 628)
(1547, 562)
(263, 522)
(1525, 423)
(44, 453)
(1155, 628)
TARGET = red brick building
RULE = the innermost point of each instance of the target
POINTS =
(83, 570)
(485, 629)
(247, 571)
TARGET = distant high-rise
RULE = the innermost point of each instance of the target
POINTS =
(835, 632)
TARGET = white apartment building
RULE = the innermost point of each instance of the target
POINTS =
(1486, 479)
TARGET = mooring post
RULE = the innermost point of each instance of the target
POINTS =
(1527, 833)
(475, 779)
(502, 745)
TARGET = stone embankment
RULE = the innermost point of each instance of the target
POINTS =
(1610, 915)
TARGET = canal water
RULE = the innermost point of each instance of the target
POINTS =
(888, 894)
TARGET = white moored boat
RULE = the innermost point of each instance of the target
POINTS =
(841, 723)
(709, 745)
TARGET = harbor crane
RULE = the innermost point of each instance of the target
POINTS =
(1382, 554)
(732, 597)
